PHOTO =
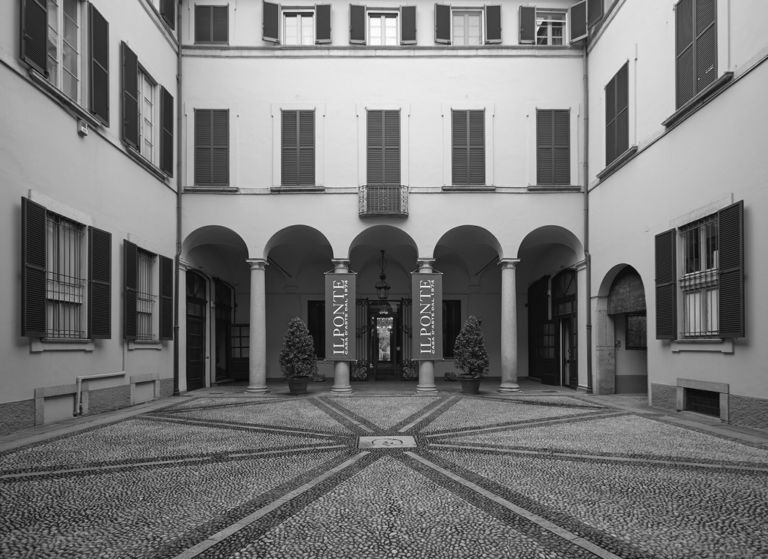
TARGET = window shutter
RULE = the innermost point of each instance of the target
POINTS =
(271, 22)
(220, 147)
(684, 75)
(306, 147)
(460, 149)
(577, 16)
(298, 148)
(168, 12)
(468, 153)
(130, 280)
(706, 43)
(356, 24)
(375, 158)
(98, 47)
(99, 284)
(544, 140)
(203, 16)
(166, 132)
(666, 287)
(203, 146)
(443, 24)
(476, 142)
(288, 146)
(33, 280)
(220, 28)
(553, 147)
(34, 34)
(322, 24)
(493, 24)
(391, 140)
(622, 110)
(527, 25)
(130, 90)
(594, 12)
(731, 270)
(166, 298)
(408, 25)
(562, 147)
(610, 121)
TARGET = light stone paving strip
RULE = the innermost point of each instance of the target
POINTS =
(539, 520)
(251, 518)
(326, 404)
(385, 412)
(436, 410)
(253, 427)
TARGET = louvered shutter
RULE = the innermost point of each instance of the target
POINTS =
(203, 146)
(594, 12)
(622, 110)
(706, 43)
(271, 22)
(220, 24)
(356, 24)
(493, 24)
(666, 286)
(166, 132)
(288, 148)
(731, 270)
(220, 147)
(166, 298)
(553, 141)
(306, 148)
(544, 140)
(322, 24)
(375, 157)
(527, 25)
(168, 12)
(610, 121)
(130, 281)
(99, 284)
(391, 141)
(443, 24)
(34, 34)
(33, 280)
(468, 147)
(98, 48)
(684, 60)
(476, 145)
(577, 18)
(459, 147)
(203, 17)
(562, 147)
(408, 25)
(130, 92)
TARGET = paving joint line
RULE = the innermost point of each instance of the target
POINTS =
(343, 413)
(532, 517)
(438, 408)
(241, 426)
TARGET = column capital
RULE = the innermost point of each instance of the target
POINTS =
(426, 264)
(257, 263)
(507, 263)
(340, 264)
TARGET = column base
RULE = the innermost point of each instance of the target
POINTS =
(426, 388)
(257, 389)
(341, 389)
(507, 387)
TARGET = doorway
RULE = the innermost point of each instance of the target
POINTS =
(223, 326)
(196, 313)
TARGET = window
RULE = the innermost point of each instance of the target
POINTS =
(390, 27)
(451, 325)
(553, 147)
(298, 148)
(66, 277)
(383, 158)
(211, 147)
(147, 116)
(64, 46)
(211, 24)
(240, 341)
(695, 47)
(708, 281)
(382, 28)
(550, 27)
(148, 296)
(467, 27)
(468, 147)
(167, 10)
(617, 115)
(296, 26)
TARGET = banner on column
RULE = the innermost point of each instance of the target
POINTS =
(427, 315)
(340, 316)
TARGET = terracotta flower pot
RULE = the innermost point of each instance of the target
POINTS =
(298, 385)
(470, 385)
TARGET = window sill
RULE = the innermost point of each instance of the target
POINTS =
(43, 345)
(554, 188)
(211, 189)
(618, 163)
(698, 101)
(469, 188)
(296, 189)
(704, 345)
(149, 344)
(148, 166)
(68, 104)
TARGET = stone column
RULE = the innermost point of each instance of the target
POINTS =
(341, 383)
(508, 326)
(257, 363)
(426, 368)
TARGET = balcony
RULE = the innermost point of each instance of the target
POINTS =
(383, 199)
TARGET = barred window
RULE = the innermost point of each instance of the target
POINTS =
(699, 282)
(65, 278)
(145, 295)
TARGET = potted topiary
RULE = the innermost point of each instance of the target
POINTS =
(470, 355)
(297, 357)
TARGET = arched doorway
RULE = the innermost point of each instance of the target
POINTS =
(627, 313)
(196, 311)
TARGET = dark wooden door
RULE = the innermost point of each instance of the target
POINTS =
(196, 306)
(542, 346)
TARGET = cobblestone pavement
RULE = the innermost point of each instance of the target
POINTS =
(445, 476)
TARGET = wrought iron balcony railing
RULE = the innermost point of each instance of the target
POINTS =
(383, 199)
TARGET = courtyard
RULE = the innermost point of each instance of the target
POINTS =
(386, 473)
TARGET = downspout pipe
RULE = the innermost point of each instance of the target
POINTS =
(177, 257)
(79, 387)
(587, 254)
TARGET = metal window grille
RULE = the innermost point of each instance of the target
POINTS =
(65, 278)
(550, 27)
(700, 281)
(145, 295)
(702, 401)
(383, 199)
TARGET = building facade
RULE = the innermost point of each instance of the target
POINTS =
(584, 177)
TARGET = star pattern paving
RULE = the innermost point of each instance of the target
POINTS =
(550, 476)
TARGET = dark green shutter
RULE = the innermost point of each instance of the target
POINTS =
(34, 34)
(443, 24)
(211, 147)
(298, 148)
(594, 12)
(527, 25)
(203, 17)
(706, 43)
(166, 132)
(685, 85)
(577, 19)
(610, 121)
(322, 24)
(468, 147)
(617, 115)
(493, 24)
(220, 24)
(270, 27)
(731, 270)
(33, 280)
(168, 12)
(166, 298)
(553, 147)
(408, 25)
(130, 93)
(383, 157)
(289, 156)
(356, 24)
(98, 47)
(666, 285)
(306, 148)
(99, 284)
(130, 280)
